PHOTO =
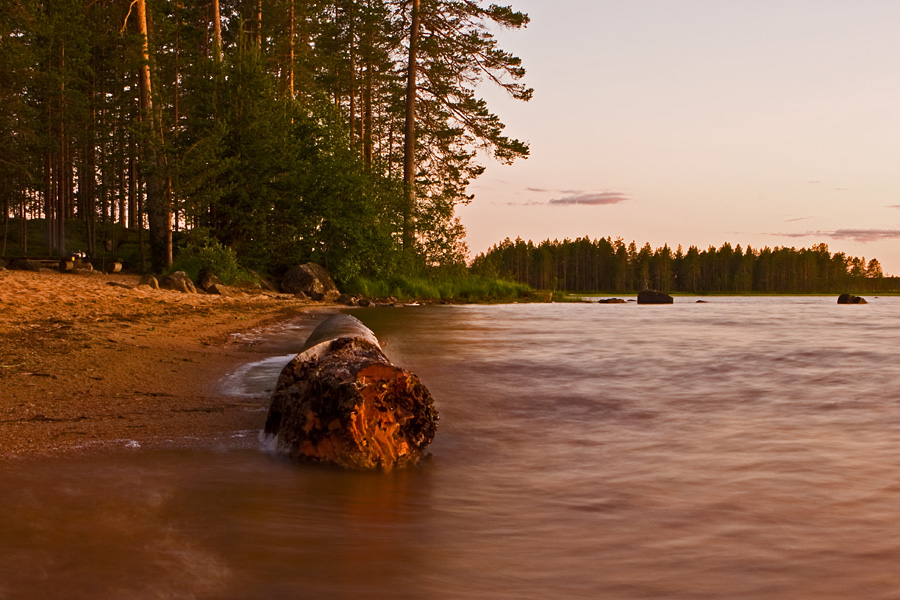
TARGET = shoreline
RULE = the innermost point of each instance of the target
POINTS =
(86, 366)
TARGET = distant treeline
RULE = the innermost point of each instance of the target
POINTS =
(607, 265)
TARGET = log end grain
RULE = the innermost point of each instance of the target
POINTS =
(345, 404)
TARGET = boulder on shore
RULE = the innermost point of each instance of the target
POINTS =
(341, 402)
(851, 299)
(261, 281)
(178, 281)
(220, 289)
(311, 279)
(150, 281)
(207, 279)
(654, 297)
(610, 301)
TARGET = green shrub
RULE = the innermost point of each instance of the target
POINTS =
(213, 257)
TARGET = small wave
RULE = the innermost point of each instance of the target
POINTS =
(268, 442)
(256, 378)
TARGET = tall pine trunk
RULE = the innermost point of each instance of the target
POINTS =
(6, 190)
(49, 203)
(217, 29)
(292, 33)
(368, 85)
(159, 212)
(61, 162)
(23, 226)
(259, 18)
(409, 144)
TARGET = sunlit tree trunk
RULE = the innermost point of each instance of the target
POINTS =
(259, 18)
(366, 129)
(6, 189)
(132, 193)
(60, 167)
(291, 65)
(159, 211)
(217, 29)
(49, 203)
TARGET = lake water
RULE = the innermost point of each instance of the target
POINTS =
(742, 448)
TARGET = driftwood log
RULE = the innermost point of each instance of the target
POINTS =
(341, 401)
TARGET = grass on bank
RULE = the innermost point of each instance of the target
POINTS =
(450, 289)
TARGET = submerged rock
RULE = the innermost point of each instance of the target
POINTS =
(341, 401)
(610, 301)
(654, 297)
(850, 299)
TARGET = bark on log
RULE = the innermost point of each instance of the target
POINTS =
(341, 401)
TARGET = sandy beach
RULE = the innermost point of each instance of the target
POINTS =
(95, 362)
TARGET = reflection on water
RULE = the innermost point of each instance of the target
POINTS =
(745, 448)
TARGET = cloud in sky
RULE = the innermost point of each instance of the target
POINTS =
(856, 235)
(590, 199)
(798, 219)
(551, 191)
(893, 206)
(529, 203)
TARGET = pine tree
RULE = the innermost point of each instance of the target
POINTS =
(451, 51)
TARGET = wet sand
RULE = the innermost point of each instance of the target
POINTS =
(87, 366)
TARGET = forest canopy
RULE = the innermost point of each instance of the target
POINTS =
(607, 265)
(339, 131)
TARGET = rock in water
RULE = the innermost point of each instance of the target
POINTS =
(311, 279)
(341, 401)
(850, 299)
(654, 297)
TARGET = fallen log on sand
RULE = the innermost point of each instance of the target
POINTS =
(341, 401)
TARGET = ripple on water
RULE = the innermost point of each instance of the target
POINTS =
(745, 448)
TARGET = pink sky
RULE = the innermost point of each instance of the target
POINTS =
(699, 122)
